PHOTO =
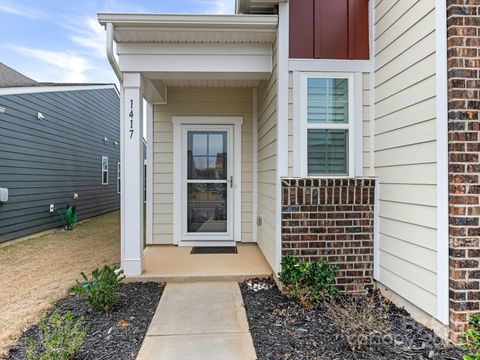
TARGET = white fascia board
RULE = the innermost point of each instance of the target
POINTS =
(44, 89)
(196, 63)
(171, 21)
(329, 65)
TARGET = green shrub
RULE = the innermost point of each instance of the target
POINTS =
(309, 282)
(60, 338)
(101, 290)
(471, 339)
(69, 220)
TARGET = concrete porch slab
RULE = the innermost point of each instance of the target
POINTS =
(168, 263)
(199, 321)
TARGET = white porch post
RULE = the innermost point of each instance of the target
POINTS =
(132, 175)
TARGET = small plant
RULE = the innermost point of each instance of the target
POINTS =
(471, 339)
(358, 317)
(308, 282)
(60, 338)
(101, 290)
(69, 220)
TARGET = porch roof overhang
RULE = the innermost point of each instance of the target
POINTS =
(192, 50)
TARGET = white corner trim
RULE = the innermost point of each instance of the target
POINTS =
(177, 181)
(329, 65)
(149, 216)
(376, 232)
(254, 163)
(297, 124)
(371, 21)
(358, 124)
(282, 123)
(46, 88)
(442, 162)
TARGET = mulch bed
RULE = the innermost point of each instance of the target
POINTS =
(114, 335)
(282, 329)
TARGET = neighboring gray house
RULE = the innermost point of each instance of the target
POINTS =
(59, 144)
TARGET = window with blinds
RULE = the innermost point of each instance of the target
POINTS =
(327, 126)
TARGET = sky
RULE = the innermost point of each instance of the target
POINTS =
(61, 40)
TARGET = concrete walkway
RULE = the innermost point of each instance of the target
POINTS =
(201, 320)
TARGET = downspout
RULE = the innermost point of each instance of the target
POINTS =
(118, 73)
(110, 56)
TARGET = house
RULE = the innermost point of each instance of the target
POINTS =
(59, 144)
(315, 128)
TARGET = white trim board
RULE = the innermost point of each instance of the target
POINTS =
(149, 208)
(282, 124)
(329, 65)
(178, 123)
(442, 162)
(43, 89)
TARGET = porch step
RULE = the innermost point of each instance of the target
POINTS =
(176, 264)
(198, 278)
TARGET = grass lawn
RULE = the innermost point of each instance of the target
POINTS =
(37, 272)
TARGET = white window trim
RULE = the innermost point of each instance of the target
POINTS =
(355, 125)
(103, 158)
(305, 126)
(119, 178)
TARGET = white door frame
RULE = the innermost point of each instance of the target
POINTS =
(179, 197)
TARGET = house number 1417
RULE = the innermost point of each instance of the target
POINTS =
(131, 118)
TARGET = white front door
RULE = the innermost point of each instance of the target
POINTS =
(207, 183)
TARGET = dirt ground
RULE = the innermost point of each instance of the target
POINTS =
(35, 273)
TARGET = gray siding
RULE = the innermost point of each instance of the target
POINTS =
(47, 161)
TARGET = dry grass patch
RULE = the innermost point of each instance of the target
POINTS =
(37, 272)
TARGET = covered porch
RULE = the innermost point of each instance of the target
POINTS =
(169, 263)
(209, 84)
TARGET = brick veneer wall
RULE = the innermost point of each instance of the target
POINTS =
(463, 20)
(332, 219)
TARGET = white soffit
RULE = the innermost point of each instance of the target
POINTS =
(212, 83)
(161, 28)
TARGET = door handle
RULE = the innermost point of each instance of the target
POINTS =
(231, 182)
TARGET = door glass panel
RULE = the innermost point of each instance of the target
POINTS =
(207, 207)
(207, 155)
(207, 182)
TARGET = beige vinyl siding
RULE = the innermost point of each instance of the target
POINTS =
(197, 102)
(365, 118)
(405, 148)
(267, 162)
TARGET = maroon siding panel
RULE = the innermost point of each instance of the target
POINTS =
(301, 19)
(329, 29)
(358, 24)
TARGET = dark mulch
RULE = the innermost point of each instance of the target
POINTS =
(282, 329)
(114, 335)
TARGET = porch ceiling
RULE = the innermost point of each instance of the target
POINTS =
(205, 29)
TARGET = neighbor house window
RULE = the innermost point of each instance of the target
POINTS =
(119, 174)
(104, 170)
(328, 119)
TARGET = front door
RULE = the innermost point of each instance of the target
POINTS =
(207, 183)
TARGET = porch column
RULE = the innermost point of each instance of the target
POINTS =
(132, 175)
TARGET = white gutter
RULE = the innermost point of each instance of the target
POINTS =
(110, 55)
(188, 21)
